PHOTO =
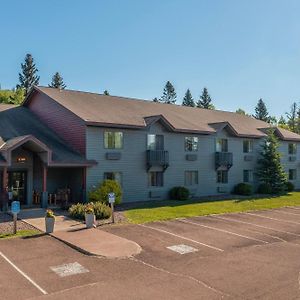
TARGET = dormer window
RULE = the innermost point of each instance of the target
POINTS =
(247, 146)
(222, 145)
(191, 143)
(292, 148)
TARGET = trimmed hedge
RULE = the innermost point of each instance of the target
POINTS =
(101, 210)
(244, 189)
(179, 193)
(101, 192)
(289, 186)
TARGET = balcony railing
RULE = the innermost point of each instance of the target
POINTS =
(223, 160)
(157, 158)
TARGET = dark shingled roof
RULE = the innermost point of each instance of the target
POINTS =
(18, 123)
(102, 110)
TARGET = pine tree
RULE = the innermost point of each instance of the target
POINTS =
(57, 82)
(169, 95)
(270, 170)
(106, 93)
(282, 123)
(292, 117)
(28, 77)
(298, 121)
(261, 112)
(188, 99)
(240, 111)
(205, 100)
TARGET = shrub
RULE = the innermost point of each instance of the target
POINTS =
(264, 188)
(289, 186)
(179, 193)
(101, 210)
(101, 192)
(77, 211)
(243, 189)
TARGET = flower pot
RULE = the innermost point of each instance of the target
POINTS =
(89, 220)
(49, 224)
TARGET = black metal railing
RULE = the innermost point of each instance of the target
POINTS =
(157, 158)
(223, 159)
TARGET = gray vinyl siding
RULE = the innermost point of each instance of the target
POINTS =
(132, 163)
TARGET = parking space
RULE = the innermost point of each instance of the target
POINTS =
(244, 255)
(235, 256)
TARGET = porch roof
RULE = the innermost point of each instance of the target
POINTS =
(18, 125)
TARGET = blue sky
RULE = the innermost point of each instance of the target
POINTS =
(240, 50)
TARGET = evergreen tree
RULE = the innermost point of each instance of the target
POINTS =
(28, 77)
(270, 170)
(106, 93)
(188, 99)
(57, 82)
(261, 112)
(240, 112)
(292, 117)
(155, 100)
(298, 121)
(169, 95)
(282, 123)
(205, 100)
(14, 96)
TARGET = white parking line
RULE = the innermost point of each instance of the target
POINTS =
(223, 230)
(24, 274)
(181, 237)
(256, 225)
(270, 218)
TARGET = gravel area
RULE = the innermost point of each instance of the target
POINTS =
(6, 224)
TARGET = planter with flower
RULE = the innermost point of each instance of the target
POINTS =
(89, 215)
(49, 221)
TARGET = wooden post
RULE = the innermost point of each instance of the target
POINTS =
(15, 223)
(44, 187)
(84, 184)
(4, 194)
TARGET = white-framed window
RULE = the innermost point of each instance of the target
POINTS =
(247, 146)
(222, 176)
(222, 145)
(292, 148)
(190, 178)
(248, 176)
(156, 178)
(113, 140)
(292, 174)
(117, 176)
(155, 142)
(191, 143)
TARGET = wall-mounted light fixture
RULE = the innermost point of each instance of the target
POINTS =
(21, 159)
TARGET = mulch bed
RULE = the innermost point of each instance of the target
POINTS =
(7, 225)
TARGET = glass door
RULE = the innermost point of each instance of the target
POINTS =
(17, 183)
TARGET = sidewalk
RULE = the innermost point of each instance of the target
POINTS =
(74, 233)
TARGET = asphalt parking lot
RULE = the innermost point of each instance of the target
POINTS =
(232, 256)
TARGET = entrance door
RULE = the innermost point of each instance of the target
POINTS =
(17, 183)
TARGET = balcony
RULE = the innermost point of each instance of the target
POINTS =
(157, 158)
(223, 160)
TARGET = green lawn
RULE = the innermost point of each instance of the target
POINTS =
(171, 209)
(20, 233)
